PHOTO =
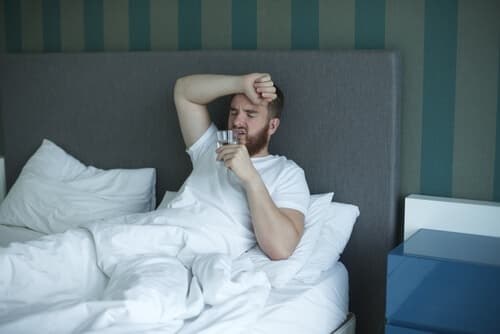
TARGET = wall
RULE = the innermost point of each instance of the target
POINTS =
(450, 51)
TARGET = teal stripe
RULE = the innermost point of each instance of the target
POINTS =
(370, 24)
(139, 25)
(440, 52)
(51, 19)
(305, 24)
(496, 185)
(189, 24)
(13, 31)
(244, 21)
(94, 25)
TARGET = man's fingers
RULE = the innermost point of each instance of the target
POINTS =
(267, 96)
(271, 89)
(223, 155)
(264, 84)
(265, 88)
(264, 77)
(226, 152)
(227, 163)
(228, 148)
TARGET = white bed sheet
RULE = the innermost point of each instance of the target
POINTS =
(297, 308)
(308, 308)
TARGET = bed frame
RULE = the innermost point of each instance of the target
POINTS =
(341, 124)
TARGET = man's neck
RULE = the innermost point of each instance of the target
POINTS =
(259, 156)
(262, 153)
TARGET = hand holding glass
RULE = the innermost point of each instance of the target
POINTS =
(226, 137)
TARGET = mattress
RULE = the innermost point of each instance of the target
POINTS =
(307, 308)
(298, 308)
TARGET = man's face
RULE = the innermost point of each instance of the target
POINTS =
(251, 123)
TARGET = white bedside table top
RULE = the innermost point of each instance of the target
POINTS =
(451, 214)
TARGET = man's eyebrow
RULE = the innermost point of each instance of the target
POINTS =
(253, 111)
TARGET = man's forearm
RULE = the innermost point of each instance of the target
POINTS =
(193, 93)
(204, 88)
(275, 232)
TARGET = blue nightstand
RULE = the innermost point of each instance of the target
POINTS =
(444, 282)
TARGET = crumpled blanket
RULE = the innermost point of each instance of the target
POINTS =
(160, 272)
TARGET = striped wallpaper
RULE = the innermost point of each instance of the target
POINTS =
(450, 49)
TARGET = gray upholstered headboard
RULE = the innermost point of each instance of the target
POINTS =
(341, 124)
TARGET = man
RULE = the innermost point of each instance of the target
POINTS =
(265, 193)
(152, 271)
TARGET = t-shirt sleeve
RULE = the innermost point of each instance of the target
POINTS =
(206, 143)
(292, 191)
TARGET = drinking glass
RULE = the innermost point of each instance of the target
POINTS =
(226, 137)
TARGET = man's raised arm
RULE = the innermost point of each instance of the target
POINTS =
(193, 93)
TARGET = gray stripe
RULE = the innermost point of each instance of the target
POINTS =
(273, 24)
(72, 36)
(164, 24)
(115, 25)
(336, 24)
(475, 100)
(216, 24)
(32, 26)
(405, 31)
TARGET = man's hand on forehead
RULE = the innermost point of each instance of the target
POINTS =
(259, 88)
(264, 86)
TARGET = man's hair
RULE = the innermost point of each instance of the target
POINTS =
(276, 106)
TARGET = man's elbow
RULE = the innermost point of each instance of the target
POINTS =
(285, 250)
(280, 254)
(179, 89)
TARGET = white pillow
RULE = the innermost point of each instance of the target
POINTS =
(327, 229)
(56, 192)
(339, 221)
(281, 272)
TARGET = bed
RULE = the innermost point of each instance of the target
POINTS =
(341, 124)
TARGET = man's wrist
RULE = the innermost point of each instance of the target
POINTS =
(241, 83)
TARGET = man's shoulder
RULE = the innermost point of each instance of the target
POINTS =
(283, 163)
(200, 145)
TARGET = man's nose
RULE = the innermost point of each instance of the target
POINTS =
(239, 120)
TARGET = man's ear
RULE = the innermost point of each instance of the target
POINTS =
(274, 123)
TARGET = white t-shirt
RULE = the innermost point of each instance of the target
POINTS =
(212, 184)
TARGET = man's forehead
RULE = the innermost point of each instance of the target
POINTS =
(242, 101)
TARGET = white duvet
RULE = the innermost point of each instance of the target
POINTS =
(163, 271)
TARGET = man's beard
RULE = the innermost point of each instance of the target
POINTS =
(257, 142)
